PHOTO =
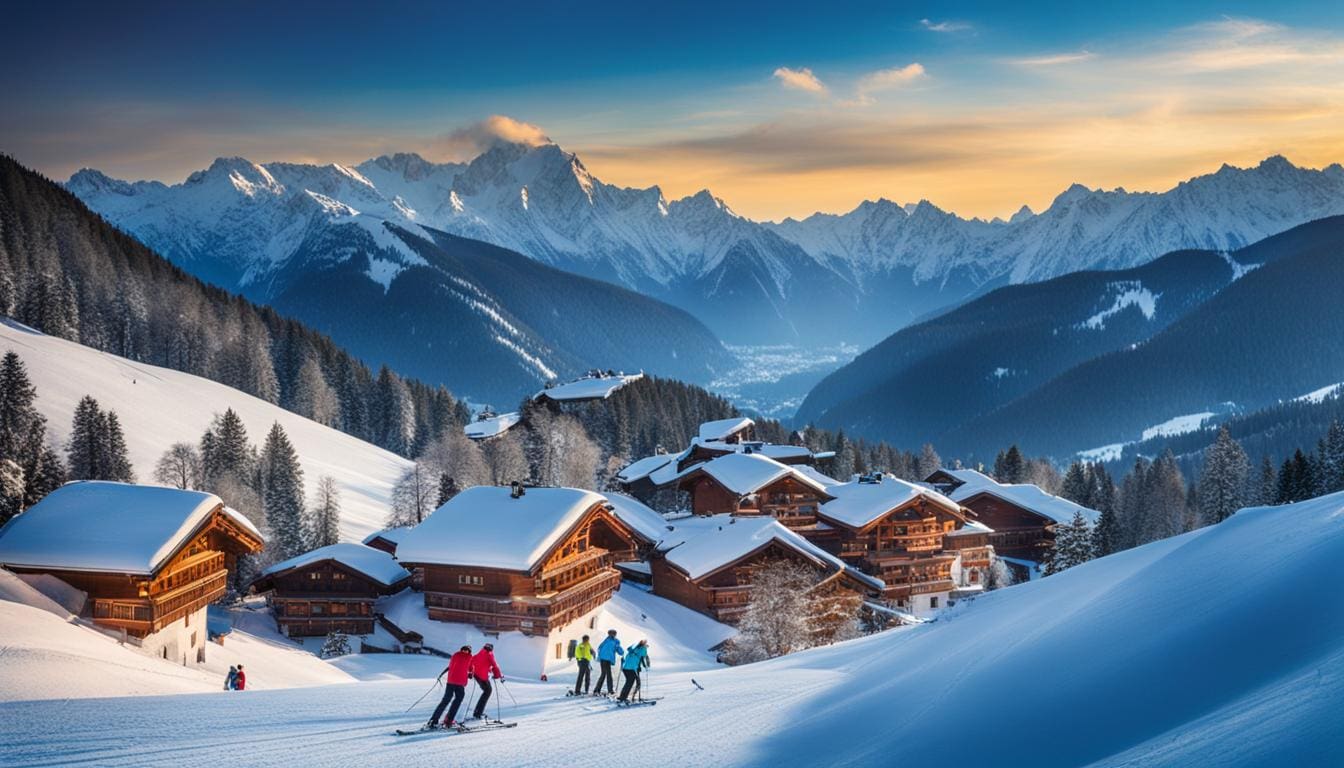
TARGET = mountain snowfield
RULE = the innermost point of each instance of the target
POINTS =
(159, 406)
(1214, 648)
(873, 269)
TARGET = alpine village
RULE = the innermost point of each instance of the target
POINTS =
(751, 385)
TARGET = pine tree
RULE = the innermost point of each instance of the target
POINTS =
(336, 644)
(1077, 486)
(1073, 545)
(1014, 467)
(1332, 460)
(1164, 500)
(116, 459)
(282, 494)
(12, 483)
(1296, 479)
(929, 461)
(225, 450)
(324, 516)
(1223, 484)
(85, 449)
(1267, 484)
(1131, 505)
(843, 463)
(447, 489)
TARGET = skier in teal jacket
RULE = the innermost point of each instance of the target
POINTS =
(636, 658)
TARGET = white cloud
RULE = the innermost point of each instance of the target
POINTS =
(800, 79)
(944, 26)
(1056, 59)
(469, 141)
(885, 80)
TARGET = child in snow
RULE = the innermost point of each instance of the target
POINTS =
(231, 678)
(482, 666)
(584, 655)
(240, 681)
(606, 656)
(458, 669)
(636, 659)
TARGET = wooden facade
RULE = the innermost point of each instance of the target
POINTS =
(1018, 532)
(788, 500)
(194, 576)
(322, 597)
(725, 593)
(905, 548)
(576, 576)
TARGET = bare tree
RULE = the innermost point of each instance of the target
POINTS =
(181, 467)
(413, 497)
(505, 458)
(776, 620)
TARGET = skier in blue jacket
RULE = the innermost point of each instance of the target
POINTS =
(636, 658)
(606, 656)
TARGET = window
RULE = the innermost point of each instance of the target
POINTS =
(338, 576)
(317, 609)
(314, 576)
(474, 581)
(933, 602)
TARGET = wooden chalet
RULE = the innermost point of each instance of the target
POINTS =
(1023, 517)
(525, 559)
(708, 563)
(896, 531)
(386, 539)
(752, 484)
(150, 558)
(330, 589)
(734, 430)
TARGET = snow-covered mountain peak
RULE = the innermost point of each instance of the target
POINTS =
(89, 181)
(1073, 194)
(1022, 215)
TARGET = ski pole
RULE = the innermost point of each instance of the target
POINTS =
(506, 690)
(422, 698)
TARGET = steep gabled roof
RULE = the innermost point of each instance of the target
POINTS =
(109, 527)
(376, 564)
(639, 517)
(485, 527)
(638, 470)
(1024, 495)
(860, 504)
(747, 473)
(589, 387)
(723, 428)
(393, 535)
(483, 429)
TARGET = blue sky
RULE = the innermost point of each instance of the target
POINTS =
(781, 108)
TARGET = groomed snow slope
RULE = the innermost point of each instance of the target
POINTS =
(1220, 647)
(160, 406)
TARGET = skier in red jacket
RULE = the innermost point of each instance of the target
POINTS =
(482, 667)
(240, 682)
(459, 668)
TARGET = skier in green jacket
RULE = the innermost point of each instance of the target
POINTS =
(583, 654)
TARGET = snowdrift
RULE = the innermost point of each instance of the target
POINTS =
(160, 406)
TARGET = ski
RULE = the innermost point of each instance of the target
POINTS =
(490, 725)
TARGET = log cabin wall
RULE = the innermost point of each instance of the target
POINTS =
(790, 502)
(709, 497)
(1018, 532)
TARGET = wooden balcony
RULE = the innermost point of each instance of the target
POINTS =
(529, 614)
(574, 561)
(147, 615)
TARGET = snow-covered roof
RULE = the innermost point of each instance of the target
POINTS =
(485, 527)
(490, 427)
(746, 473)
(699, 546)
(965, 475)
(971, 526)
(393, 535)
(723, 428)
(1024, 495)
(108, 527)
(812, 472)
(638, 470)
(858, 504)
(374, 563)
(589, 387)
(638, 516)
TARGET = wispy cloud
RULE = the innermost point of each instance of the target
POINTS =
(887, 79)
(471, 140)
(944, 26)
(1055, 59)
(800, 79)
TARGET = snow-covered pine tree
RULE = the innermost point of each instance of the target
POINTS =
(1073, 545)
(843, 465)
(393, 413)
(1297, 480)
(1130, 506)
(282, 494)
(11, 489)
(447, 489)
(1000, 575)
(180, 466)
(313, 396)
(116, 459)
(1012, 468)
(1223, 484)
(1266, 483)
(85, 448)
(337, 643)
(1077, 485)
(1332, 459)
(324, 516)
(505, 458)
(929, 461)
(1164, 502)
(226, 451)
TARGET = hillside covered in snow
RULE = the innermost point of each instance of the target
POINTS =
(159, 406)
(1213, 648)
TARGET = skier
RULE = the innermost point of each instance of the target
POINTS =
(482, 667)
(231, 679)
(458, 669)
(606, 656)
(584, 655)
(636, 659)
(240, 682)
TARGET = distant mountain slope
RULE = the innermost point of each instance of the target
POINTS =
(1274, 334)
(1026, 363)
(320, 244)
(158, 407)
(855, 277)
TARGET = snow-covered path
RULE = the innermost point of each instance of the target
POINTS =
(1221, 647)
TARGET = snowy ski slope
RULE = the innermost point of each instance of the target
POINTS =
(1222, 647)
(160, 406)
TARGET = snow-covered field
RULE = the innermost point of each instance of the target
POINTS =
(159, 406)
(1224, 646)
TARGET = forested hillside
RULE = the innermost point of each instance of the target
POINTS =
(68, 273)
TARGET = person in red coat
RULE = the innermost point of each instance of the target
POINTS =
(483, 666)
(240, 682)
(458, 670)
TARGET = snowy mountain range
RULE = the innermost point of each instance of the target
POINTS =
(854, 277)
